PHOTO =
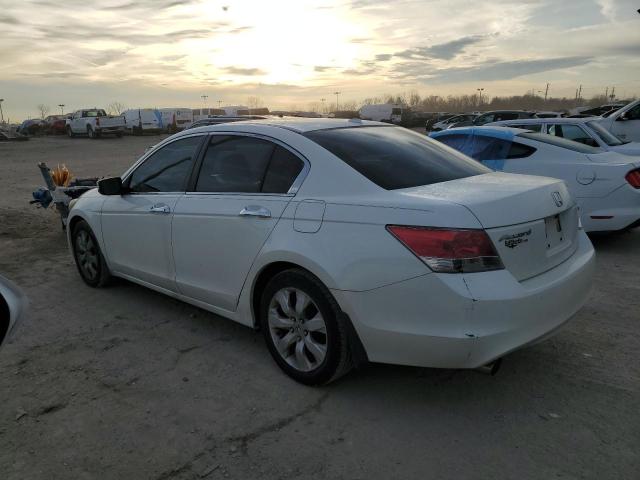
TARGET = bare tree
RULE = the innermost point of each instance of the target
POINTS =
(116, 108)
(44, 110)
(254, 102)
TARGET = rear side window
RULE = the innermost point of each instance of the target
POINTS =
(167, 169)
(283, 169)
(519, 150)
(506, 116)
(571, 132)
(394, 158)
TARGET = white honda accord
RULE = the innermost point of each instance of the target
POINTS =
(344, 241)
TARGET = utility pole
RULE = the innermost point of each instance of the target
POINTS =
(336, 94)
(1, 114)
(580, 93)
(613, 93)
(546, 91)
(204, 99)
(61, 105)
(322, 100)
(606, 93)
(219, 103)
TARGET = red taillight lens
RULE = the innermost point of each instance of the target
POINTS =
(448, 250)
(97, 121)
(633, 177)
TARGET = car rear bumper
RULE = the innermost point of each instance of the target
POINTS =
(466, 321)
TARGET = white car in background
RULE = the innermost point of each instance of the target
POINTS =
(583, 130)
(625, 122)
(606, 185)
(449, 122)
(343, 241)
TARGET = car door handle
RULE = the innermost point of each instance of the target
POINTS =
(160, 208)
(255, 211)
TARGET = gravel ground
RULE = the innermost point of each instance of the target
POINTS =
(123, 382)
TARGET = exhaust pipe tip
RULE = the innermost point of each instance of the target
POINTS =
(490, 368)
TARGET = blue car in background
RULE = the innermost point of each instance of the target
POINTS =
(605, 184)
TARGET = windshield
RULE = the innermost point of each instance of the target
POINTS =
(394, 157)
(560, 142)
(606, 136)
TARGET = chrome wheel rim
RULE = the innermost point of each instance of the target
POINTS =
(297, 329)
(87, 255)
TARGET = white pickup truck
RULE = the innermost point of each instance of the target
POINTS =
(95, 122)
(624, 123)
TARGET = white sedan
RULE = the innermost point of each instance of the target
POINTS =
(343, 241)
(587, 130)
(606, 184)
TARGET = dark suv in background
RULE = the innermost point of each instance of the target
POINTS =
(495, 116)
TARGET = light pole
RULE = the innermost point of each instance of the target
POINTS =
(480, 90)
(1, 114)
(61, 105)
(204, 100)
(219, 103)
(336, 94)
(322, 100)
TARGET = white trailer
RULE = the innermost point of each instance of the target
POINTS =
(236, 110)
(382, 112)
(175, 119)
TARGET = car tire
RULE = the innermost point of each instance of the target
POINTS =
(70, 132)
(88, 257)
(91, 133)
(302, 326)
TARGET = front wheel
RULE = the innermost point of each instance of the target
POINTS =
(302, 328)
(88, 257)
(70, 132)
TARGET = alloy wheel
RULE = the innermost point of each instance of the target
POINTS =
(297, 329)
(87, 255)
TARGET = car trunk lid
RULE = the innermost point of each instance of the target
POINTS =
(532, 221)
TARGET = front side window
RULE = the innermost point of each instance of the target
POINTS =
(247, 165)
(634, 113)
(506, 116)
(395, 158)
(482, 119)
(167, 169)
(559, 142)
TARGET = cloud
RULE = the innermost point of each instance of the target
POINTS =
(245, 72)
(500, 70)
(322, 68)
(442, 51)
(383, 57)
(9, 19)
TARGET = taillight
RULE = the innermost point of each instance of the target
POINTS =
(449, 250)
(97, 121)
(633, 177)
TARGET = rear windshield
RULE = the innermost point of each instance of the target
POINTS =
(560, 142)
(394, 157)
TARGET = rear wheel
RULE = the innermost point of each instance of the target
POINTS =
(302, 328)
(70, 132)
(89, 260)
(91, 132)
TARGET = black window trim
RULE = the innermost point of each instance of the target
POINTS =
(293, 190)
(127, 175)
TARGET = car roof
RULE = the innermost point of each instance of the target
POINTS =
(535, 121)
(295, 124)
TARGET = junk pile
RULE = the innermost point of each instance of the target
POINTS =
(61, 189)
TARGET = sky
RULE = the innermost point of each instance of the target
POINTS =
(290, 53)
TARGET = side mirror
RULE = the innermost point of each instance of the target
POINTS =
(110, 186)
(622, 117)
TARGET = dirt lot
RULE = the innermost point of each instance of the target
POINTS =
(125, 383)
